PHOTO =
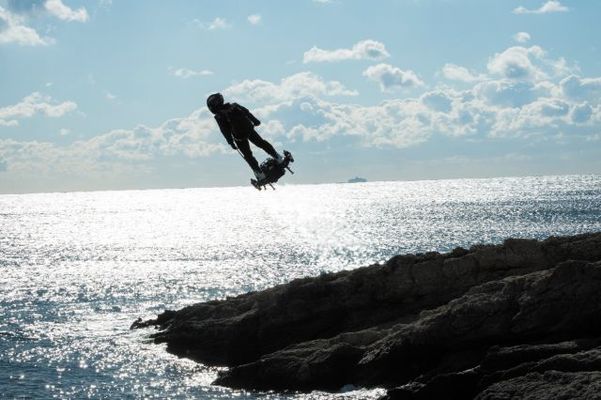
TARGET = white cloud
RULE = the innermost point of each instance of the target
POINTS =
(363, 50)
(510, 93)
(217, 24)
(186, 73)
(13, 27)
(254, 19)
(551, 6)
(63, 12)
(458, 73)
(64, 131)
(543, 116)
(582, 113)
(189, 136)
(521, 37)
(390, 77)
(13, 30)
(438, 101)
(519, 63)
(582, 88)
(395, 123)
(110, 96)
(295, 86)
(33, 104)
(193, 136)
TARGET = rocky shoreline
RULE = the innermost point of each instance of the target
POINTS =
(517, 320)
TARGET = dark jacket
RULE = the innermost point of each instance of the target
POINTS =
(235, 122)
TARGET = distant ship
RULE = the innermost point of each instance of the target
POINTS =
(357, 180)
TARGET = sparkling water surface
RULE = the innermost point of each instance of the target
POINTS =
(76, 269)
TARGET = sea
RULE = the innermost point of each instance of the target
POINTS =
(76, 269)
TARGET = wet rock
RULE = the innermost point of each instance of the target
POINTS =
(461, 324)
(555, 303)
(161, 320)
(550, 385)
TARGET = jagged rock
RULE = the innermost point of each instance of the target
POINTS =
(449, 386)
(555, 303)
(551, 385)
(426, 324)
(501, 366)
(161, 319)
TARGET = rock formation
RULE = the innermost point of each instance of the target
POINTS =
(492, 322)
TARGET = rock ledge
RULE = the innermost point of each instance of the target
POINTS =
(517, 320)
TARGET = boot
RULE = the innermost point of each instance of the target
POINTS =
(287, 155)
(259, 175)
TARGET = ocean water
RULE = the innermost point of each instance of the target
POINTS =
(76, 269)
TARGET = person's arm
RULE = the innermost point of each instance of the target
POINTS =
(249, 115)
(226, 130)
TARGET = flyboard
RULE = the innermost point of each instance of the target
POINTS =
(273, 171)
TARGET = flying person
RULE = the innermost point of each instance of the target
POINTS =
(237, 125)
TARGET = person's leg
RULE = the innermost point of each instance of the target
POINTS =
(263, 144)
(244, 148)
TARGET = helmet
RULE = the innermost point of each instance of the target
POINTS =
(214, 102)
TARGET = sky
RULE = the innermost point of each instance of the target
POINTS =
(102, 94)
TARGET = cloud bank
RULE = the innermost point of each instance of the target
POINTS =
(117, 150)
(523, 94)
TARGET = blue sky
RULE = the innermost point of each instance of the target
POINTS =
(104, 94)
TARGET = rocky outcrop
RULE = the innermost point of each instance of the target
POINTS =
(485, 322)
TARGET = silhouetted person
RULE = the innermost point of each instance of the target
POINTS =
(237, 125)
